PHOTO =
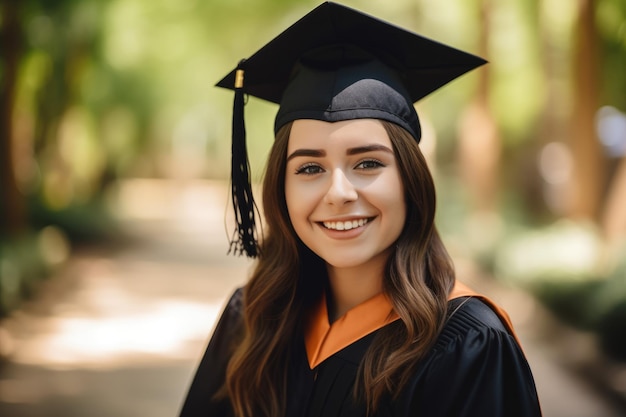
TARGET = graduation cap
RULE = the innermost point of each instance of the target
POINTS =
(334, 64)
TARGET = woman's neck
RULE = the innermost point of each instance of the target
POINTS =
(350, 287)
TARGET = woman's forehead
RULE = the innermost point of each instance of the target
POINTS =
(316, 134)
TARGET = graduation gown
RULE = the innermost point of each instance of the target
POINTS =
(475, 368)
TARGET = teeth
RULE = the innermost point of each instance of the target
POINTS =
(351, 224)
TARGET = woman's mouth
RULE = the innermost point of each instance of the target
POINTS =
(346, 225)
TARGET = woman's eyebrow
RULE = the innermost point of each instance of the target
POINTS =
(318, 153)
(368, 148)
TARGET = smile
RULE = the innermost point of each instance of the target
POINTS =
(346, 225)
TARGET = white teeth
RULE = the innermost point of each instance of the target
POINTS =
(351, 224)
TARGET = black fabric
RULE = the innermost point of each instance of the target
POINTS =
(474, 369)
(211, 371)
(307, 66)
(342, 82)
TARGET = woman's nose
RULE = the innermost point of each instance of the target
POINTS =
(341, 190)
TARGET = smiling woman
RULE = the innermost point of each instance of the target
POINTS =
(353, 308)
(346, 203)
(354, 180)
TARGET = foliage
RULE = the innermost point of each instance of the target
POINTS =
(564, 251)
(87, 222)
(612, 331)
(566, 266)
(26, 262)
(611, 18)
(569, 301)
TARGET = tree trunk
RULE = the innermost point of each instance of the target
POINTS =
(614, 213)
(480, 145)
(12, 214)
(590, 171)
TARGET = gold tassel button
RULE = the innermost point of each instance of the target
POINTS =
(239, 79)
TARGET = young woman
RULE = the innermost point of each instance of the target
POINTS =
(353, 308)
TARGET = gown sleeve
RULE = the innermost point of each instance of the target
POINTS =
(210, 375)
(475, 369)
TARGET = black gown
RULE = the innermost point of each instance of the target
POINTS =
(476, 368)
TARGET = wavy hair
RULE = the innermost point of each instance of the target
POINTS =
(286, 282)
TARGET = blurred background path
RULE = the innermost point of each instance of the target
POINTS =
(119, 329)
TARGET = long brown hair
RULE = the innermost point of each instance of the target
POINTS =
(287, 281)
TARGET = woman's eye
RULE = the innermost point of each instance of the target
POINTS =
(309, 169)
(369, 164)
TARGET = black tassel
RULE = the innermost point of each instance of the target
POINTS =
(244, 238)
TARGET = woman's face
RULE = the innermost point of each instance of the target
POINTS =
(344, 191)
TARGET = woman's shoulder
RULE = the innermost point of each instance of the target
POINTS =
(235, 302)
(229, 323)
(472, 322)
(476, 364)
(473, 313)
(211, 372)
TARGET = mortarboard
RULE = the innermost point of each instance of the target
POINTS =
(333, 64)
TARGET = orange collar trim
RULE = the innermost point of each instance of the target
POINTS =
(322, 339)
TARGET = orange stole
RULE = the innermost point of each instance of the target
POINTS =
(323, 340)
